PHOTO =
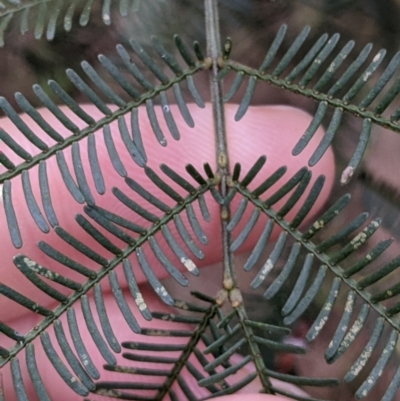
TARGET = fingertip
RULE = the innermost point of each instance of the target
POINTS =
(273, 131)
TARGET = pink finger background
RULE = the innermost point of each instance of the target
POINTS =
(270, 131)
(55, 386)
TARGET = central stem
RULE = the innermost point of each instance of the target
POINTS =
(214, 52)
(221, 146)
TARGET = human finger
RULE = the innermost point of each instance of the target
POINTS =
(260, 129)
(130, 367)
(267, 130)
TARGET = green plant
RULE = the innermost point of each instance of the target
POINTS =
(221, 323)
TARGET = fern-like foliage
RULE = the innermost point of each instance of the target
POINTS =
(201, 351)
(43, 17)
(350, 83)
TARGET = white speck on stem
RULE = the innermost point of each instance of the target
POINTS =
(162, 291)
(377, 57)
(188, 264)
(346, 175)
(140, 302)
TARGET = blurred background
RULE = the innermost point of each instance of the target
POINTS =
(252, 25)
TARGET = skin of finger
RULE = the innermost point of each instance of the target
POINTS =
(55, 386)
(232, 135)
(269, 130)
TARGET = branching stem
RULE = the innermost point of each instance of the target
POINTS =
(214, 52)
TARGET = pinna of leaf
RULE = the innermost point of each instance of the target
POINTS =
(113, 189)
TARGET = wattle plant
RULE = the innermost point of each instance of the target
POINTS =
(123, 182)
